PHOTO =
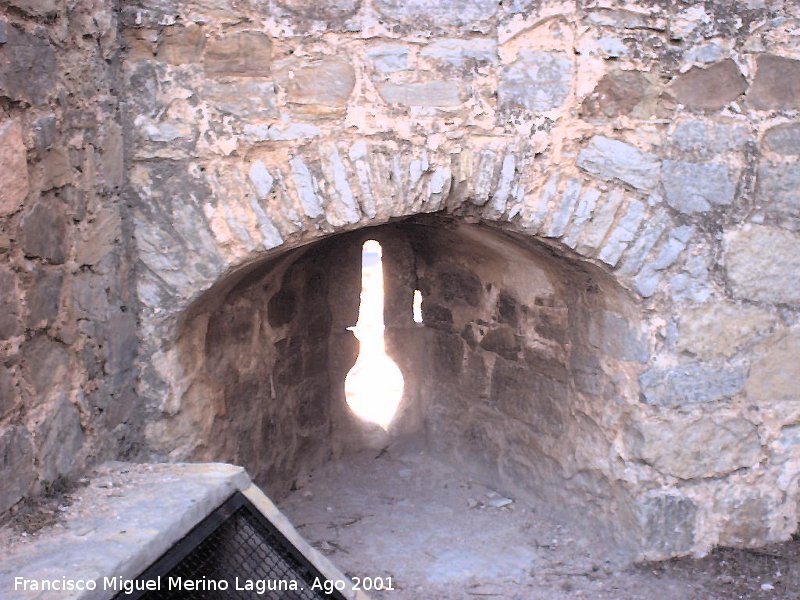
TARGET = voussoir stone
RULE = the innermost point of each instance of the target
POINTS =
(710, 88)
(536, 81)
(14, 184)
(612, 159)
(774, 376)
(763, 264)
(44, 231)
(691, 447)
(243, 54)
(59, 438)
(9, 304)
(776, 84)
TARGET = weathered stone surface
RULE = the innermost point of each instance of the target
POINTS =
(458, 52)
(721, 329)
(121, 346)
(622, 93)
(182, 45)
(708, 139)
(244, 99)
(612, 159)
(787, 445)
(100, 238)
(775, 373)
(691, 383)
(697, 187)
(691, 447)
(783, 139)
(536, 81)
(763, 264)
(242, 54)
(709, 88)
(668, 524)
(16, 465)
(46, 365)
(44, 297)
(318, 86)
(27, 66)
(777, 83)
(748, 520)
(447, 13)
(778, 188)
(59, 438)
(324, 11)
(9, 397)
(56, 169)
(14, 183)
(614, 335)
(38, 8)
(389, 58)
(44, 231)
(9, 305)
(423, 93)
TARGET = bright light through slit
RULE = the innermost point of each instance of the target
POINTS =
(417, 306)
(374, 386)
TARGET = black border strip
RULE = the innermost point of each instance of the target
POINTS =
(183, 547)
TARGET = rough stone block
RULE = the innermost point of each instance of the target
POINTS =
(708, 139)
(709, 88)
(775, 374)
(9, 398)
(763, 264)
(181, 45)
(697, 187)
(669, 523)
(44, 298)
(27, 66)
(691, 447)
(720, 329)
(522, 393)
(443, 13)
(56, 169)
(244, 99)
(777, 83)
(242, 54)
(536, 81)
(389, 58)
(691, 383)
(44, 232)
(629, 93)
(16, 465)
(38, 8)
(612, 159)
(778, 188)
(318, 86)
(783, 139)
(9, 304)
(429, 94)
(458, 52)
(14, 185)
(330, 10)
(616, 336)
(59, 439)
(45, 365)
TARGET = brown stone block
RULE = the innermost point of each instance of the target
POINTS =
(709, 88)
(243, 54)
(14, 185)
(181, 45)
(777, 83)
(319, 86)
(44, 231)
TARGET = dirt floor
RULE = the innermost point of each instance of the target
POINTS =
(422, 526)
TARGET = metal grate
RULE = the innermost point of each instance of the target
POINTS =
(234, 545)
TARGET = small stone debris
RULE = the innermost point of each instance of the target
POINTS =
(767, 587)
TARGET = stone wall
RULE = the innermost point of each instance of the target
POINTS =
(67, 311)
(657, 142)
(651, 145)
